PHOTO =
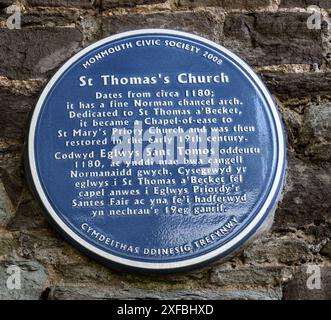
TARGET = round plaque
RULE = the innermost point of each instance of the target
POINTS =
(156, 150)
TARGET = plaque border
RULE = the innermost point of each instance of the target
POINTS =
(111, 259)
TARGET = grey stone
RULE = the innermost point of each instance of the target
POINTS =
(8, 244)
(14, 110)
(33, 280)
(325, 4)
(109, 4)
(292, 121)
(250, 276)
(6, 208)
(67, 293)
(35, 52)
(206, 23)
(298, 85)
(11, 173)
(300, 287)
(198, 3)
(84, 273)
(46, 247)
(28, 214)
(284, 250)
(326, 250)
(315, 135)
(273, 38)
(61, 3)
(228, 5)
(307, 195)
(51, 19)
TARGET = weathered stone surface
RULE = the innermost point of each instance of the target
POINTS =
(201, 22)
(14, 110)
(325, 4)
(292, 121)
(6, 207)
(226, 275)
(297, 84)
(108, 4)
(11, 173)
(315, 135)
(28, 214)
(67, 293)
(62, 3)
(326, 250)
(33, 279)
(307, 195)
(90, 27)
(84, 271)
(273, 38)
(33, 52)
(29, 88)
(297, 289)
(246, 4)
(198, 3)
(165, 281)
(308, 128)
(46, 247)
(283, 250)
(91, 272)
(228, 5)
(8, 244)
(46, 18)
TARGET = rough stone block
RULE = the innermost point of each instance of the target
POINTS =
(61, 3)
(326, 250)
(249, 276)
(33, 279)
(298, 84)
(201, 22)
(90, 272)
(109, 4)
(51, 19)
(14, 110)
(278, 250)
(34, 52)
(292, 122)
(28, 214)
(72, 293)
(46, 247)
(273, 38)
(228, 4)
(307, 195)
(315, 135)
(303, 288)
(11, 174)
(8, 244)
(6, 208)
(325, 4)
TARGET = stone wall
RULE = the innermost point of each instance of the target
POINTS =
(294, 62)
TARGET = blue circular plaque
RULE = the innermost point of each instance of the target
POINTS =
(156, 150)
